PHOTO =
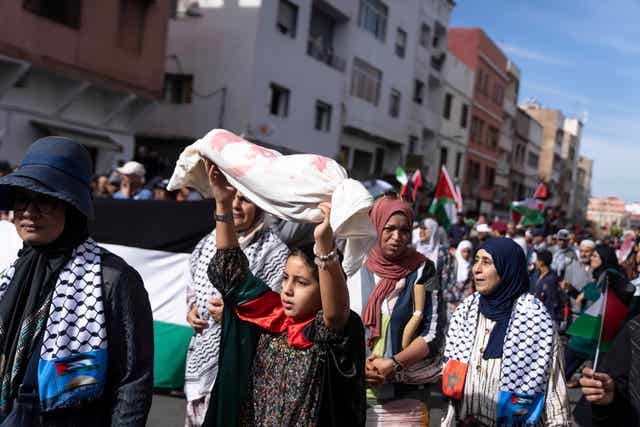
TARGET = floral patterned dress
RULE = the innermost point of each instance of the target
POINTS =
(289, 385)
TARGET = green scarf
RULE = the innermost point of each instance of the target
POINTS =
(237, 348)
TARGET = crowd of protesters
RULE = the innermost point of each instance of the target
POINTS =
(129, 181)
(283, 337)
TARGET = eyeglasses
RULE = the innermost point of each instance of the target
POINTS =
(39, 202)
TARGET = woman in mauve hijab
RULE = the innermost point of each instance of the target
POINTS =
(398, 296)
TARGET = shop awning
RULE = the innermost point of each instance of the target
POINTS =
(88, 139)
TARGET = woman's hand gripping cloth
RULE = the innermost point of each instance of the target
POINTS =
(289, 187)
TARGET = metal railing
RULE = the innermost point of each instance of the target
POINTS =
(326, 56)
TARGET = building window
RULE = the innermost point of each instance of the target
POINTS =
(464, 116)
(448, 100)
(477, 129)
(178, 88)
(133, 14)
(394, 103)
(65, 12)
(458, 164)
(362, 163)
(413, 144)
(425, 35)
(377, 169)
(489, 176)
(444, 153)
(365, 81)
(373, 17)
(485, 84)
(287, 18)
(418, 91)
(493, 136)
(343, 156)
(473, 175)
(323, 116)
(279, 100)
(401, 42)
(498, 94)
(479, 80)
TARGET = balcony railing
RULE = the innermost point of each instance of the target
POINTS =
(326, 56)
(437, 61)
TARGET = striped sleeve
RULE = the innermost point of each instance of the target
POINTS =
(434, 327)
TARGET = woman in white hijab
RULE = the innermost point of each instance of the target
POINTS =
(428, 243)
(456, 277)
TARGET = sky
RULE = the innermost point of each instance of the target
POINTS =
(582, 57)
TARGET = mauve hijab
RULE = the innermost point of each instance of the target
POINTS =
(390, 271)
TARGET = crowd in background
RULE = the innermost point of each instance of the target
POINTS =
(567, 271)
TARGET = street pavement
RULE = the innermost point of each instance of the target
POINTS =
(169, 411)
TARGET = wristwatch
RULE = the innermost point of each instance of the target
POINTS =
(396, 365)
(223, 218)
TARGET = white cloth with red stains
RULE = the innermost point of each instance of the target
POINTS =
(289, 187)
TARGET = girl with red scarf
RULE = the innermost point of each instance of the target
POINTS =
(398, 295)
(289, 359)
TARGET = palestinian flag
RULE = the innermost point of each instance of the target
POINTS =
(444, 206)
(412, 187)
(600, 322)
(401, 176)
(529, 211)
(541, 192)
(157, 238)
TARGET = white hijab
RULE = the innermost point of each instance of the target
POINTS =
(463, 264)
(429, 248)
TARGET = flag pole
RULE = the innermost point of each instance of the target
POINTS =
(604, 311)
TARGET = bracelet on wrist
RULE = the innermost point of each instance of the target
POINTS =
(223, 218)
(323, 261)
(397, 366)
(327, 256)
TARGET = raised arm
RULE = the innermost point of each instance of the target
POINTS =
(333, 286)
(229, 266)
(223, 193)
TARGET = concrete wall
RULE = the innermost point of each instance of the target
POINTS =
(218, 49)
(18, 130)
(283, 60)
(459, 80)
(90, 52)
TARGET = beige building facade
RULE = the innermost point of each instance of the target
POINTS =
(609, 212)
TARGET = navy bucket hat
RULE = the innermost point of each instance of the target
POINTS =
(57, 167)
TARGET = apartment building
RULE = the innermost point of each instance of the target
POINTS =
(607, 212)
(360, 80)
(81, 69)
(456, 116)
(570, 156)
(473, 47)
(510, 165)
(533, 148)
(583, 188)
(551, 164)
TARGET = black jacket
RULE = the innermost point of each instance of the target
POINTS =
(128, 391)
(622, 363)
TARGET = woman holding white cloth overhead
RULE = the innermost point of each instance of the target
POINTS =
(267, 255)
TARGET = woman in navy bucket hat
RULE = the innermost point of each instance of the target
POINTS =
(76, 331)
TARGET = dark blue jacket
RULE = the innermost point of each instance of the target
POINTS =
(547, 290)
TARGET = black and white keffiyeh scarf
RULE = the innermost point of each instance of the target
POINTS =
(526, 359)
(267, 255)
(73, 356)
